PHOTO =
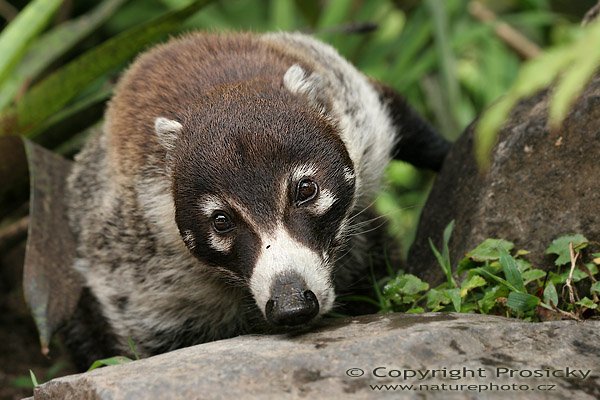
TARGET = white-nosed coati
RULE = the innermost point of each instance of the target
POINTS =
(230, 191)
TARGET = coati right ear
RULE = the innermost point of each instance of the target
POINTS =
(167, 131)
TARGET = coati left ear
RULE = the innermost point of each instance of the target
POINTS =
(167, 131)
(312, 86)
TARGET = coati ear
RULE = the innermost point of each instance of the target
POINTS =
(167, 131)
(312, 86)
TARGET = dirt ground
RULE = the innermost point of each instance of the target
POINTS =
(19, 346)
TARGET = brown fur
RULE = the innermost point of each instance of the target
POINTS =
(153, 87)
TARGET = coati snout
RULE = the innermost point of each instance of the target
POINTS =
(232, 189)
(291, 303)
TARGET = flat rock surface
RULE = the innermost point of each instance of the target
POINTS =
(470, 356)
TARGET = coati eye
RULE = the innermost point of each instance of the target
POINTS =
(306, 191)
(221, 222)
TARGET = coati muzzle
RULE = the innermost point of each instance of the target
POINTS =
(291, 302)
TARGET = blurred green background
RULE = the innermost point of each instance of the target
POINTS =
(60, 59)
(450, 59)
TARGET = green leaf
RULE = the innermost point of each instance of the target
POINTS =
(71, 120)
(406, 284)
(34, 380)
(437, 299)
(18, 34)
(486, 130)
(466, 264)
(511, 272)
(54, 44)
(454, 295)
(443, 259)
(522, 302)
(595, 288)
(447, 235)
(489, 250)
(585, 61)
(488, 301)
(417, 32)
(532, 274)
(535, 75)
(488, 274)
(415, 310)
(587, 303)
(474, 282)
(560, 247)
(107, 362)
(578, 275)
(522, 265)
(133, 348)
(53, 93)
(550, 295)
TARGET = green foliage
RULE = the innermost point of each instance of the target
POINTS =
(107, 362)
(52, 45)
(489, 250)
(570, 65)
(494, 281)
(22, 30)
(29, 381)
(444, 257)
(133, 348)
(560, 247)
(53, 93)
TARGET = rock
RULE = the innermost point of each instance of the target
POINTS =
(342, 358)
(541, 185)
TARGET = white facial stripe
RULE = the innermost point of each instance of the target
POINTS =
(303, 171)
(280, 253)
(348, 174)
(324, 202)
(220, 243)
(189, 239)
(209, 204)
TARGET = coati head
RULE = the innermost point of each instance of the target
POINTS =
(263, 186)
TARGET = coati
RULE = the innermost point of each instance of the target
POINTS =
(230, 191)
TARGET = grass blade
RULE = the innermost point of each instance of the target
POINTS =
(451, 92)
(18, 34)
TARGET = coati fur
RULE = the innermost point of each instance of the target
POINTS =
(230, 191)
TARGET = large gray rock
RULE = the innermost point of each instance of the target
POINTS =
(343, 358)
(541, 185)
